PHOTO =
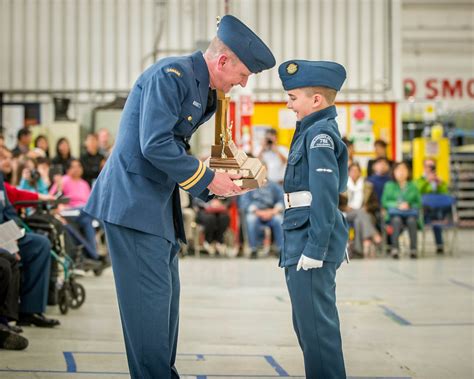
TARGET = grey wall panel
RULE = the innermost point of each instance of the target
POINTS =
(97, 46)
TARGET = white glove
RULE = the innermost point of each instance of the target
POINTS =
(306, 263)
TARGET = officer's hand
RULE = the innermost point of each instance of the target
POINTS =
(222, 184)
(306, 263)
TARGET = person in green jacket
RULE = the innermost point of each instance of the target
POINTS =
(402, 201)
(430, 183)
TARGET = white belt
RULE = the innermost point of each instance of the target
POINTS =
(298, 199)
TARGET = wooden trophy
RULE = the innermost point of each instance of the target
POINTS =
(226, 157)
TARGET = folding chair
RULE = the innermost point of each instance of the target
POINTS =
(446, 204)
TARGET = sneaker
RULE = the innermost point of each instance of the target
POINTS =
(221, 249)
(395, 253)
(439, 250)
(210, 248)
(413, 254)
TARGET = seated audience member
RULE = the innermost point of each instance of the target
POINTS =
(9, 302)
(263, 207)
(350, 150)
(189, 215)
(105, 142)
(361, 202)
(14, 194)
(402, 201)
(36, 262)
(63, 156)
(92, 160)
(23, 142)
(31, 178)
(274, 156)
(381, 175)
(427, 184)
(380, 148)
(214, 216)
(78, 191)
(41, 142)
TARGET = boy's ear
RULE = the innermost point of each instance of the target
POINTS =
(317, 100)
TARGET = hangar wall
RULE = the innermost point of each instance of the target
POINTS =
(91, 50)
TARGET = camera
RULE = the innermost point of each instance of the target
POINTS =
(269, 142)
(35, 175)
(432, 167)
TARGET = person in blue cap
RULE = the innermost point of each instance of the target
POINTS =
(315, 231)
(137, 193)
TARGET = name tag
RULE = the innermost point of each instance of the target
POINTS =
(196, 104)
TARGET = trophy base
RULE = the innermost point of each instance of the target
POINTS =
(253, 173)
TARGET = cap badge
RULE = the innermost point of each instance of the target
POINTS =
(291, 68)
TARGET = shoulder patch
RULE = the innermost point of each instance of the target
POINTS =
(174, 71)
(322, 140)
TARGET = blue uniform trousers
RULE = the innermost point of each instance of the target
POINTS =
(35, 253)
(316, 321)
(146, 275)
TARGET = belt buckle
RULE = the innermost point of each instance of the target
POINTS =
(288, 199)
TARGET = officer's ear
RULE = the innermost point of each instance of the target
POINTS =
(222, 60)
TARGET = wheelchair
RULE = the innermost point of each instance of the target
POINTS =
(64, 290)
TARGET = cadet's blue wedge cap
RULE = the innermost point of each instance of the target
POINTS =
(301, 73)
(250, 49)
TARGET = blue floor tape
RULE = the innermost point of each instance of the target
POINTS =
(394, 316)
(279, 370)
(462, 284)
(71, 367)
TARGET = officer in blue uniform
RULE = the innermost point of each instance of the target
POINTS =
(315, 231)
(137, 192)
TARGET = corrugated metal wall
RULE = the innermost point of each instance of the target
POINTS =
(91, 47)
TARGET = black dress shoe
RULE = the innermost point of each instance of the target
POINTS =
(37, 319)
(10, 340)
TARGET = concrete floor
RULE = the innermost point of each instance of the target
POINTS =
(400, 319)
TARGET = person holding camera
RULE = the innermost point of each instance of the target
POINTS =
(274, 157)
(33, 178)
(430, 183)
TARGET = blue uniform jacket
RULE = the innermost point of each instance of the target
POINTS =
(317, 162)
(138, 187)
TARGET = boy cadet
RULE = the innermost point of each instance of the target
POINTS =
(137, 192)
(315, 231)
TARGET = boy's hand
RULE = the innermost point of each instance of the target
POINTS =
(306, 263)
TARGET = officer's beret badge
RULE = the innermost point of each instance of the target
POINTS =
(291, 68)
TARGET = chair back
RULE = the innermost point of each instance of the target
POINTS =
(435, 200)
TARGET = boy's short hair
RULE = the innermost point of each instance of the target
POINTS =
(328, 93)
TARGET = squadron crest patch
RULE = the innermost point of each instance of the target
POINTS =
(174, 71)
(291, 68)
(322, 140)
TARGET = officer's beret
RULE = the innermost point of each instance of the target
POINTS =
(250, 49)
(301, 73)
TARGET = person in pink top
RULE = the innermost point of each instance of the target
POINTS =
(77, 190)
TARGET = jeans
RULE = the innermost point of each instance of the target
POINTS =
(436, 214)
(255, 227)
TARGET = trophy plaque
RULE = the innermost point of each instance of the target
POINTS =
(226, 157)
